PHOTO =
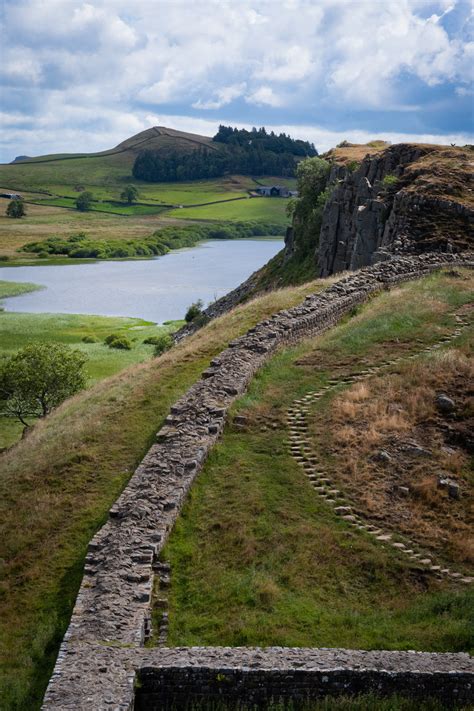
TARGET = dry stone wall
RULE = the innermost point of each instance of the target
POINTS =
(112, 611)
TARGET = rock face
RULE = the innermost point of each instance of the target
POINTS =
(424, 204)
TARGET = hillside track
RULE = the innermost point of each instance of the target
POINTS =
(302, 449)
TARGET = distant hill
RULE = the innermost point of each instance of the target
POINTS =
(232, 150)
(61, 173)
(156, 138)
(109, 168)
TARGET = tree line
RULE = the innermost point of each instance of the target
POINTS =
(254, 152)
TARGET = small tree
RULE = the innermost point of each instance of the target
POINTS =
(84, 201)
(129, 194)
(38, 378)
(162, 343)
(193, 311)
(16, 208)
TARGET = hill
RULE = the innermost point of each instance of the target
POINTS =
(50, 185)
(104, 168)
(273, 562)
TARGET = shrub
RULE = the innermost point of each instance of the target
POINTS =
(121, 342)
(193, 311)
(389, 180)
(111, 337)
(352, 166)
(163, 342)
(90, 339)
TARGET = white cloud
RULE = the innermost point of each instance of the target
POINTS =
(264, 95)
(223, 97)
(117, 57)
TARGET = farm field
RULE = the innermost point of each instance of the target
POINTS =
(44, 221)
(265, 209)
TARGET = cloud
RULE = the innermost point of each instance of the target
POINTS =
(264, 95)
(77, 65)
(223, 97)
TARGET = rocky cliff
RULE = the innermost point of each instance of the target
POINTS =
(407, 198)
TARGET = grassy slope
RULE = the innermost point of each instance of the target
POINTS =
(20, 329)
(57, 485)
(258, 559)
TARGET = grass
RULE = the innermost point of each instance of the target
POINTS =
(44, 221)
(360, 702)
(258, 559)
(57, 485)
(12, 288)
(268, 209)
(115, 208)
(20, 329)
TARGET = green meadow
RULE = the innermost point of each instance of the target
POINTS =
(21, 329)
(268, 209)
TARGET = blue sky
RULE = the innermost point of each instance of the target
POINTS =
(82, 76)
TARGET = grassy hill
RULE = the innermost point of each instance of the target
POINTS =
(265, 561)
(50, 185)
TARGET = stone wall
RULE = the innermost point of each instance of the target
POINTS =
(257, 677)
(112, 610)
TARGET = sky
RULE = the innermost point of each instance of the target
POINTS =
(80, 76)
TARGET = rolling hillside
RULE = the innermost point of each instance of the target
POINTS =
(108, 168)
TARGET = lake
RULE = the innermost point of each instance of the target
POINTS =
(157, 290)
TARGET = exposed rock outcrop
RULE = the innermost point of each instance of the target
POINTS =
(409, 198)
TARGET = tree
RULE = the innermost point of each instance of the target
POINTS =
(84, 201)
(129, 194)
(194, 311)
(16, 208)
(38, 378)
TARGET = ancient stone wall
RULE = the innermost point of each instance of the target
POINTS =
(112, 611)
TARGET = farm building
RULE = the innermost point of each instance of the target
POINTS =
(11, 196)
(275, 191)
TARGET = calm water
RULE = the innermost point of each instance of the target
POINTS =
(157, 290)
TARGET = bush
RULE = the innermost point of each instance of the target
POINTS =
(84, 201)
(163, 342)
(120, 342)
(389, 180)
(90, 339)
(193, 311)
(112, 337)
(352, 165)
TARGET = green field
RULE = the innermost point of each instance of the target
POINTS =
(12, 288)
(20, 329)
(265, 209)
(115, 208)
(50, 184)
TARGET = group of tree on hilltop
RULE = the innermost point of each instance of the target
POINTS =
(254, 152)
